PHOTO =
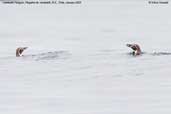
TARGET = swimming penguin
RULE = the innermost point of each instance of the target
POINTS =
(20, 50)
(136, 49)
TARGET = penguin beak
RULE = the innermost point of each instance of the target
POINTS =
(128, 45)
(24, 48)
(131, 46)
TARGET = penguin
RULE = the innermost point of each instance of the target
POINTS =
(136, 49)
(20, 50)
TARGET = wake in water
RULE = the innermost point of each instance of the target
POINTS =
(160, 53)
(153, 54)
(48, 55)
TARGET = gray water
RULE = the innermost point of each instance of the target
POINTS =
(77, 61)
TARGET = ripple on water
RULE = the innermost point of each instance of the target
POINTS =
(49, 55)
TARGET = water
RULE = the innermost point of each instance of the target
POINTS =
(77, 61)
